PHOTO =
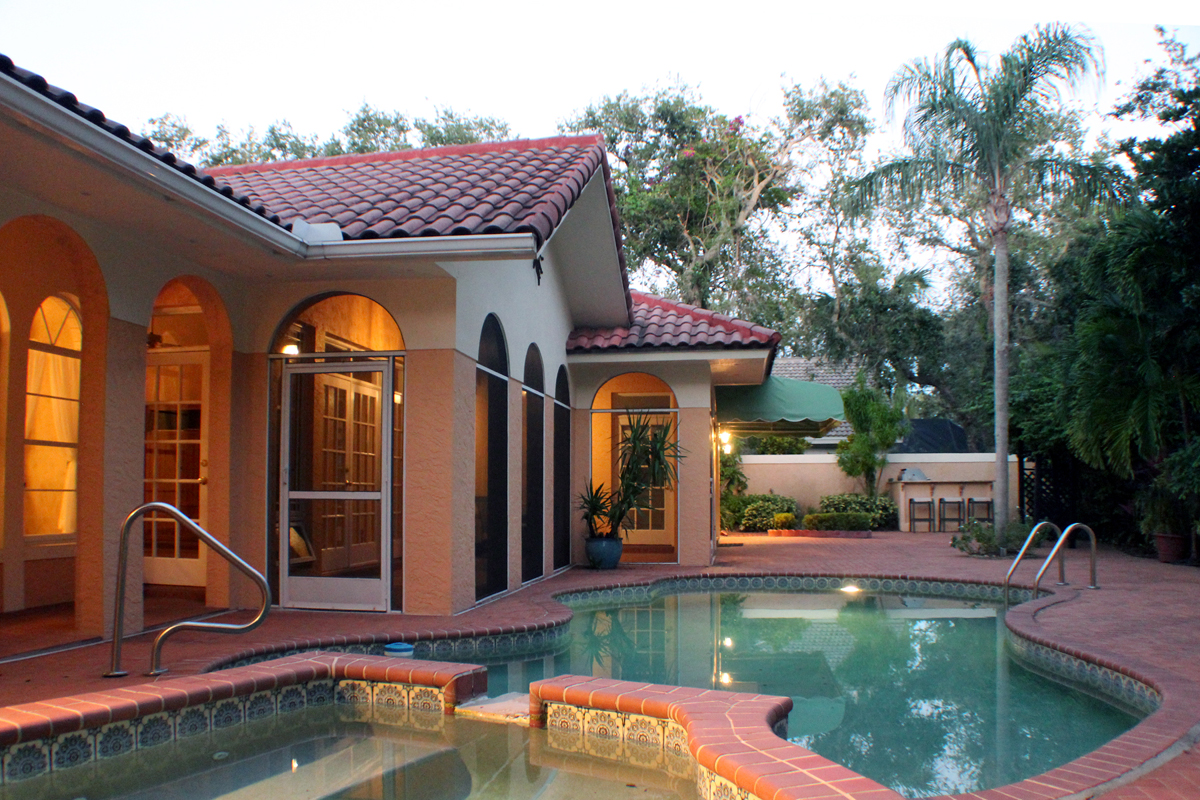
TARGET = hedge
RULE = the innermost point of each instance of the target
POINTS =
(760, 515)
(838, 521)
(885, 515)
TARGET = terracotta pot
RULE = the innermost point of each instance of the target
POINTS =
(1171, 547)
(603, 552)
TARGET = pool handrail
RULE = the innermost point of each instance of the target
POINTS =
(215, 627)
(1028, 541)
(1062, 567)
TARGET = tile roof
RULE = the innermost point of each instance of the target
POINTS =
(505, 187)
(658, 322)
(36, 83)
(498, 187)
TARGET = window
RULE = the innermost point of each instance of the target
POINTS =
(52, 418)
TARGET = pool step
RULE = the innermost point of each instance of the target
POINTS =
(511, 708)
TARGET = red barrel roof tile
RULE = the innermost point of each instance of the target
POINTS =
(658, 322)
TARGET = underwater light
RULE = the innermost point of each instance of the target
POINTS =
(727, 642)
(850, 588)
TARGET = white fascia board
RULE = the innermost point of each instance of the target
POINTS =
(677, 355)
(442, 248)
(37, 111)
(129, 162)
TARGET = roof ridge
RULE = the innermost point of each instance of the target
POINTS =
(664, 302)
(547, 143)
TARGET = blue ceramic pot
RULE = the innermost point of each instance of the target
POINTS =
(603, 552)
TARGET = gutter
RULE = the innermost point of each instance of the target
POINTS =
(305, 242)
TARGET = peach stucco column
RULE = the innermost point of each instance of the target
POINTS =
(516, 486)
(695, 504)
(248, 477)
(121, 491)
(439, 489)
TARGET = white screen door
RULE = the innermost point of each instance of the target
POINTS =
(335, 485)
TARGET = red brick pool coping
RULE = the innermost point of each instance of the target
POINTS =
(1152, 631)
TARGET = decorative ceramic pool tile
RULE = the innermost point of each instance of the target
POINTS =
(260, 705)
(73, 750)
(155, 729)
(319, 693)
(25, 761)
(192, 721)
(291, 698)
(427, 699)
(1108, 682)
(115, 739)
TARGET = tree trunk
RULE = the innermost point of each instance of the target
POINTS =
(1000, 338)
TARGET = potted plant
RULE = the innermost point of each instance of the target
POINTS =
(646, 458)
(1161, 521)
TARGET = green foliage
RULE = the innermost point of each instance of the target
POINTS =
(647, 456)
(878, 423)
(369, 130)
(733, 479)
(838, 521)
(775, 445)
(977, 538)
(784, 522)
(885, 515)
(760, 515)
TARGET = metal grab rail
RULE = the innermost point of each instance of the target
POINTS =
(216, 627)
(1062, 567)
(1028, 540)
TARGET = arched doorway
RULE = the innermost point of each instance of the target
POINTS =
(651, 534)
(340, 366)
(533, 468)
(176, 437)
(562, 469)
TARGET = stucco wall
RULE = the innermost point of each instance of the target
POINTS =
(809, 477)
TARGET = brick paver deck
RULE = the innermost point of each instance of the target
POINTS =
(1143, 620)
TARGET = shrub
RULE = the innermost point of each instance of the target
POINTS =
(976, 538)
(838, 521)
(784, 522)
(885, 514)
(760, 515)
(734, 506)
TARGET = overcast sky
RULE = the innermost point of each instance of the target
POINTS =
(533, 64)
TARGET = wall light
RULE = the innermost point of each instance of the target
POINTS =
(725, 679)
(724, 437)
(727, 449)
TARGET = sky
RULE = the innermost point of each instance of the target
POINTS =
(530, 63)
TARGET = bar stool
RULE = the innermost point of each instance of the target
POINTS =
(950, 511)
(980, 509)
(920, 511)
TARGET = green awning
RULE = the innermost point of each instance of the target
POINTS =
(780, 406)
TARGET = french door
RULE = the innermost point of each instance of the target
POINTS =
(335, 485)
(176, 464)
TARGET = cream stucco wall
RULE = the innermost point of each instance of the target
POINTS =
(808, 477)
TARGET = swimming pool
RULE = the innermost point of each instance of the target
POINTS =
(325, 752)
(917, 693)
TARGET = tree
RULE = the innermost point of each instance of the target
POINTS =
(698, 190)
(878, 424)
(979, 129)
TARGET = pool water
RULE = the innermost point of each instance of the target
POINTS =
(317, 753)
(916, 693)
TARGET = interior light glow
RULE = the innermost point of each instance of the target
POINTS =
(291, 350)
(850, 588)
(725, 679)
(397, 398)
(727, 642)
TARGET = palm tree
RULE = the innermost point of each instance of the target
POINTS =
(980, 130)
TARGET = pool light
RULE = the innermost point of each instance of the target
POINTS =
(727, 642)
(850, 588)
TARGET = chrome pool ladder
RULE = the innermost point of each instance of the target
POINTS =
(215, 627)
(1062, 568)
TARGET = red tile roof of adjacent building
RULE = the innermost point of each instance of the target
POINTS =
(662, 323)
(498, 187)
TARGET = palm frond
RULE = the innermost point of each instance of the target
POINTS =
(1084, 183)
(907, 180)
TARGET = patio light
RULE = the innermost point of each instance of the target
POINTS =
(725, 679)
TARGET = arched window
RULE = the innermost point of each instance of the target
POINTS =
(562, 470)
(52, 418)
(533, 400)
(491, 461)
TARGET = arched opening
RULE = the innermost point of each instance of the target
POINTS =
(651, 532)
(338, 368)
(562, 469)
(52, 393)
(533, 514)
(491, 461)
